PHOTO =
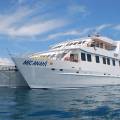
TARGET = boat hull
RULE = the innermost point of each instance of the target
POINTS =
(47, 77)
(11, 78)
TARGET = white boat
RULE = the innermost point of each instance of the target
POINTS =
(90, 61)
(11, 77)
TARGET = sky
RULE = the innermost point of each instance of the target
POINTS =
(28, 26)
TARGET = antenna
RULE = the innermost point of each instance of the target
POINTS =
(97, 34)
(9, 53)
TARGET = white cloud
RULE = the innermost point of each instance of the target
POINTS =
(96, 29)
(83, 32)
(77, 9)
(13, 24)
(8, 21)
(117, 27)
(21, 1)
(70, 33)
(6, 61)
(81, 10)
(102, 27)
(36, 28)
(55, 35)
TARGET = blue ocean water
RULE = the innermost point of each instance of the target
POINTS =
(90, 103)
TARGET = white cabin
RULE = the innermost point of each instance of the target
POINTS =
(93, 54)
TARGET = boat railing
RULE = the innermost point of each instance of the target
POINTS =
(8, 68)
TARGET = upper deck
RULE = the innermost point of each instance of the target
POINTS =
(98, 45)
(95, 41)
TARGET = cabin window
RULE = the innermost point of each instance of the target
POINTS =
(108, 61)
(97, 59)
(113, 61)
(83, 57)
(74, 57)
(104, 60)
(89, 58)
(101, 45)
(97, 44)
(93, 44)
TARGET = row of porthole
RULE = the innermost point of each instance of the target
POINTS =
(61, 70)
(55, 69)
(76, 71)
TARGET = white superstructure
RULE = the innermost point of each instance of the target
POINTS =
(90, 61)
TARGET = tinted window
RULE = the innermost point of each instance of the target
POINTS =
(89, 57)
(104, 60)
(101, 45)
(113, 61)
(83, 57)
(108, 61)
(97, 59)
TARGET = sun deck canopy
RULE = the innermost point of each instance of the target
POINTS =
(103, 42)
(96, 41)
